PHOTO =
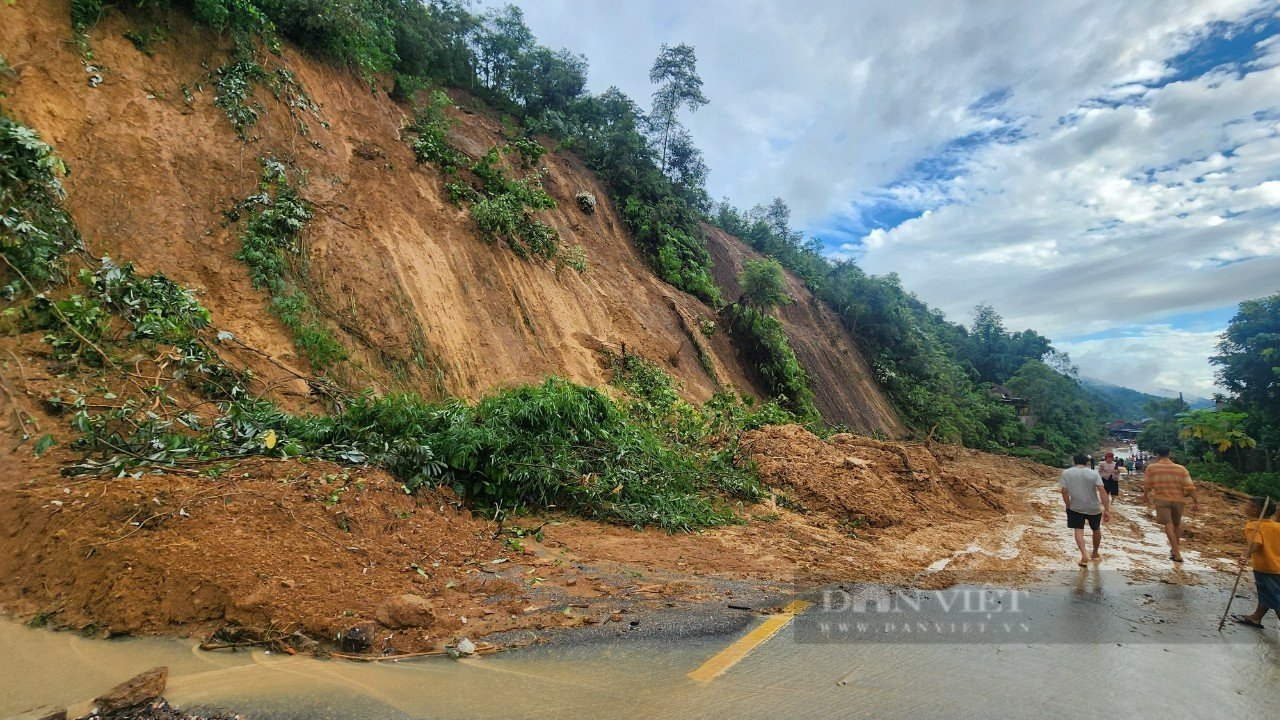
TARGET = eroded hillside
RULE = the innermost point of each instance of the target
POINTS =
(845, 391)
(398, 271)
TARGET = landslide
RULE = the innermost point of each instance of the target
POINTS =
(844, 389)
(397, 271)
(271, 547)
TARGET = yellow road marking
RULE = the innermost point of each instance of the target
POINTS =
(731, 655)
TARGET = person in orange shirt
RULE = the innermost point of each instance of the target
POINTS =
(1169, 484)
(1263, 551)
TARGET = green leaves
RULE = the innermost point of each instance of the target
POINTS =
(1221, 430)
(1248, 362)
(43, 444)
(35, 231)
(762, 285)
(431, 129)
(555, 444)
(502, 207)
(271, 246)
(764, 342)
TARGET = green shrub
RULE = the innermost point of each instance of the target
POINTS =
(507, 216)
(35, 230)
(502, 207)
(85, 14)
(1256, 483)
(75, 325)
(654, 400)
(530, 151)
(431, 130)
(272, 248)
(764, 344)
(552, 445)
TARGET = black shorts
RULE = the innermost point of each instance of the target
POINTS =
(1076, 520)
(1111, 486)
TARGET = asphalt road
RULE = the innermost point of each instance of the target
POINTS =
(1135, 637)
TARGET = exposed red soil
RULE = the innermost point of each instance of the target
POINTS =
(399, 271)
(318, 548)
(845, 391)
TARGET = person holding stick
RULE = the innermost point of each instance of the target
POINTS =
(1262, 550)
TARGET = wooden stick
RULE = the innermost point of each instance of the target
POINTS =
(1240, 572)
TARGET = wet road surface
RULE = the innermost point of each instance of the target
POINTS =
(1134, 637)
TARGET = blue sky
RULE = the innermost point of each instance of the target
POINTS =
(1105, 173)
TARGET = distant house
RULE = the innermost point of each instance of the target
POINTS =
(1020, 405)
(1125, 430)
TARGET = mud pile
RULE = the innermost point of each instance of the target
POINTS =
(864, 482)
(267, 544)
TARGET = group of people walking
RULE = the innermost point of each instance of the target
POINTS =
(1088, 494)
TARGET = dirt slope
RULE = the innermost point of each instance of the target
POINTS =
(846, 391)
(399, 270)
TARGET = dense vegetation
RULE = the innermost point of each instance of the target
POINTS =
(1237, 443)
(938, 373)
(1119, 403)
(763, 341)
(648, 460)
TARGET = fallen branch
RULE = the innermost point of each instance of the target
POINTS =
(57, 311)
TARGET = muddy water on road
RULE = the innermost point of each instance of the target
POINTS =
(1102, 645)
(1135, 636)
(41, 667)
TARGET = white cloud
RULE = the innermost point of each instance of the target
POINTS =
(1159, 359)
(1113, 202)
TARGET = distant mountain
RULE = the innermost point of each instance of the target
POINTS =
(1121, 403)
(1117, 402)
(1196, 403)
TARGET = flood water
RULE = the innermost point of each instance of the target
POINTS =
(1098, 645)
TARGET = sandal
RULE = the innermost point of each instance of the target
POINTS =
(1245, 620)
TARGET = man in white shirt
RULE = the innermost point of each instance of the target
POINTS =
(1087, 501)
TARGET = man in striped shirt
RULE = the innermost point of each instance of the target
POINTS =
(1169, 484)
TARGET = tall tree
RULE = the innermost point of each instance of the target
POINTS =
(1248, 363)
(1163, 430)
(1066, 420)
(687, 169)
(501, 44)
(1219, 430)
(675, 72)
